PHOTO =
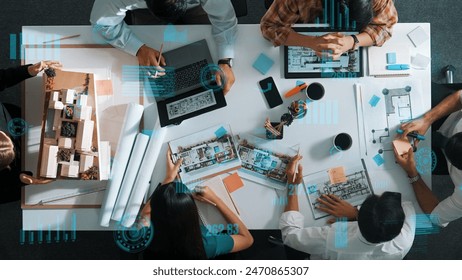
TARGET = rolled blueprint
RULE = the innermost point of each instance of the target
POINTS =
(130, 175)
(127, 137)
(143, 179)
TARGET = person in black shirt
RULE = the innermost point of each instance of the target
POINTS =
(10, 174)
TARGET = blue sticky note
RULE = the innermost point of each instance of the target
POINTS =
(297, 83)
(391, 58)
(378, 159)
(263, 63)
(221, 132)
(374, 100)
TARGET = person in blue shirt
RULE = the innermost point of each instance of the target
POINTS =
(178, 233)
(107, 18)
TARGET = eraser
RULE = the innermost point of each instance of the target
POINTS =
(378, 159)
(391, 58)
(374, 100)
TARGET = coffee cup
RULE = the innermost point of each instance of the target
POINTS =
(315, 91)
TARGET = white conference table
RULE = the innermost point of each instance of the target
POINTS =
(246, 112)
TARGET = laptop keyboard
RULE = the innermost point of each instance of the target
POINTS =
(178, 79)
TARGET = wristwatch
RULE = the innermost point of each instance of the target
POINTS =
(228, 61)
(355, 44)
(414, 179)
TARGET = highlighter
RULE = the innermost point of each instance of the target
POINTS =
(398, 67)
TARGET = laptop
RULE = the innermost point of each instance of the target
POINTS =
(188, 89)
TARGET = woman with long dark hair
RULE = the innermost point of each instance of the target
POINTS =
(178, 233)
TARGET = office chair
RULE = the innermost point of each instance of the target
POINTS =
(144, 16)
(268, 3)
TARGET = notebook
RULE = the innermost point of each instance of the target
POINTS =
(377, 59)
(209, 214)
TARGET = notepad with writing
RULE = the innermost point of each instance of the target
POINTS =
(377, 60)
(209, 214)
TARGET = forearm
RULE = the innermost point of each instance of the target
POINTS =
(296, 39)
(232, 218)
(425, 197)
(12, 76)
(449, 105)
(365, 40)
(292, 203)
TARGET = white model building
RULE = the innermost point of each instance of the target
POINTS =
(84, 136)
(70, 169)
(49, 166)
(82, 112)
(66, 143)
(67, 96)
(86, 161)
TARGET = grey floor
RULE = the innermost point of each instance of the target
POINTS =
(446, 39)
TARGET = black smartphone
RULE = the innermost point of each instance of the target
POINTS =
(271, 92)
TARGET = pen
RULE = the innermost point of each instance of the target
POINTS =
(295, 90)
(398, 67)
(158, 59)
(63, 38)
(413, 134)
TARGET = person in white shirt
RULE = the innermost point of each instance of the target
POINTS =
(107, 20)
(383, 228)
(449, 209)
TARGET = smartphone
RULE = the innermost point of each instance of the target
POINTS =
(271, 92)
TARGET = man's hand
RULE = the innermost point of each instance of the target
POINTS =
(42, 65)
(172, 169)
(150, 57)
(420, 126)
(407, 162)
(337, 207)
(30, 180)
(228, 76)
(332, 45)
(290, 170)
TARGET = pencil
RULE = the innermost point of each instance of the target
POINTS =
(208, 201)
(62, 38)
(296, 165)
(158, 59)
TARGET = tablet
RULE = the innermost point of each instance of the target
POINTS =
(301, 62)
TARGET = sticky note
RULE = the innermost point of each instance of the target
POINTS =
(221, 132)
(297, 83)
(401, 146)
(418, 36)
(391, 58)
(337, 175)
(263, 63)
(374, 100)
(233, 182)
(104, 87)
(378, 159)
(420, 61)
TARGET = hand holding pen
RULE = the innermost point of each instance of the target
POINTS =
(151, 58)
(205, 194)
(415, 127)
